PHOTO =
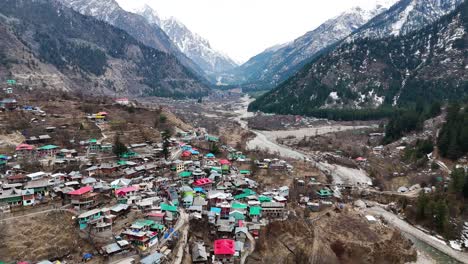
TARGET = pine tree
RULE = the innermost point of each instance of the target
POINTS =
(119, 148)
(166, 135)
(441, 216)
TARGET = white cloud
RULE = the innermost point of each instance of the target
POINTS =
(243, 28)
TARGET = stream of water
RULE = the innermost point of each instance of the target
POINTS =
(341, 174)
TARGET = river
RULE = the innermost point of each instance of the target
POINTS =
(427, 254)
(266, 140)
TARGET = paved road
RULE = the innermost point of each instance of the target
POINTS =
(413, 231)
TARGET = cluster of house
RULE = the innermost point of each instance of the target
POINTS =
(200, 185)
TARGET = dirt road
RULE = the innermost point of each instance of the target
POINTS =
(420, 235)
(251, 248)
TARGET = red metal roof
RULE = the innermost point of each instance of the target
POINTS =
(201, 182)
(159, 215)
(224, 162)
(186, 153)
(224, 247)
(126, 190)
(81, 190)
(24, 147)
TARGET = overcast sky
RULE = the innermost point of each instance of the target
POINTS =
(244, 28)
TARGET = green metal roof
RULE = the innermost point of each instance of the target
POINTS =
(255, 210)
(157, 226)
(263, 199)
(170, 208)
(93, 140)
(237, 215)
(244, 172)
(48, 147)
(185, 174)
(239, 206)
(140, 223)
(246, 193)
(324, 192)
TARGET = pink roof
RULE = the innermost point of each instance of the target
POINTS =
(81, 190)
(24, 147)
(201, 182)
(160, 215)
(224, 247)
(360, 159)
(102, 113)
(224, 162)
(126, 190)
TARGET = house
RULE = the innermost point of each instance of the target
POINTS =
(155, 258)
(140, 234)
(254, 213)
(48, 150)
(83, 198)
(273, 210)
(12, 197)
(205, 183)
(210, 138)
(124, 194)
(24, 151)
(17, 178)
(122, 101)
(179, 166)
(200, 201)
(89, 217)
(36, 175)
(241, 233)
(224, 250)
(157, 217)
(199, 254)
(324, 193)
(8, 104)
(28, 197)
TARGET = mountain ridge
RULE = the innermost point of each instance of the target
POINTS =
(368, 73)
(191, 44)
(63, 49)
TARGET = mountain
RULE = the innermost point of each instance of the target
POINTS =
(194, 46)
(425, 65)
(45, 44)
(406, 16)
(137, 26)
(276, 64)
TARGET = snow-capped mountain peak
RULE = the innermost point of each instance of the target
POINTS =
(279, 62)
(191, 44)
(406, 16)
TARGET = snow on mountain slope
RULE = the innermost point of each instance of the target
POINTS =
(406, 16)
(136, 25)
(191, 44)
(277, 63)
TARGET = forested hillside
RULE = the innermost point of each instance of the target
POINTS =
(55, 42)
(428, 65)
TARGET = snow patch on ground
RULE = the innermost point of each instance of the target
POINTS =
(396, 27)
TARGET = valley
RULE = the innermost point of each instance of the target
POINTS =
(127, 137)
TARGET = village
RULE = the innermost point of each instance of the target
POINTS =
(137, 205)
(177, 195)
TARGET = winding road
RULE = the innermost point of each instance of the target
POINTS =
(404, 227)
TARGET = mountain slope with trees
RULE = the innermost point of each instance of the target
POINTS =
(134, 24)
(55, 43)
(429, 64)
(276, 64)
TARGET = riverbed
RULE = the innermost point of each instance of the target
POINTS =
(266, 140)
